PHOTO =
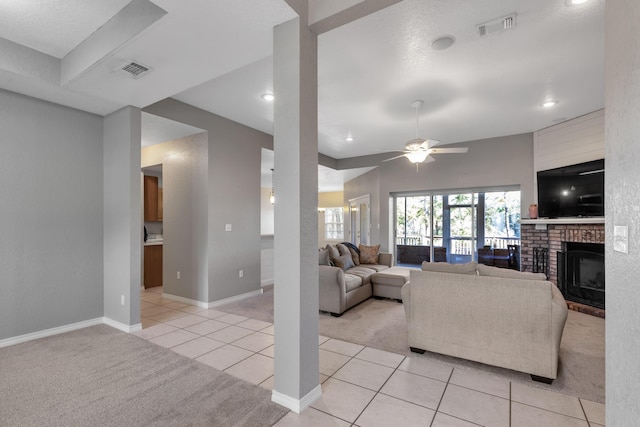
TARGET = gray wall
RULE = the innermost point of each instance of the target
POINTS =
(184, 180)
(234, 197)
(622, 182)
(50, 215)
(122, 225)
(490, 162)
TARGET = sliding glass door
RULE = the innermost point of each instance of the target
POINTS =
(452, 226)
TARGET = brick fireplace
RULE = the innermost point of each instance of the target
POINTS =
(553, 235)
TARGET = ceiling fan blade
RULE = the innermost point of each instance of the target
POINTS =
(428, 143)
(448, 150)
(393, 158)
(429, 159)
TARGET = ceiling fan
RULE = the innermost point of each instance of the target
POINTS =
(419, 150)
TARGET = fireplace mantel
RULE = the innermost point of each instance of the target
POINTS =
(573, 220)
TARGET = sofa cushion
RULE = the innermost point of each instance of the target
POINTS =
(376, 267)
(369, 254)
(363, 273)
(323, 257)
(344, 262)
(395, 276)
(445, 267)
(485, 270)
(352, 282)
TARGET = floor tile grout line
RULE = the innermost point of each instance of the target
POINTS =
(510, 399)
(552, 411)
(442, 397)
(510, 405)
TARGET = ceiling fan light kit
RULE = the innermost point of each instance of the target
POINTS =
(418, 149)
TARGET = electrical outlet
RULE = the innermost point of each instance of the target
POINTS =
(228, 227)
(121, 299)
(178, 275)
(240, 273)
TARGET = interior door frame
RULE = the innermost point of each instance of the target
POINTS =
(355, 219)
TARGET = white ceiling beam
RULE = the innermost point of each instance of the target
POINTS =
(24, 61)
(326, 15)
(130, 22)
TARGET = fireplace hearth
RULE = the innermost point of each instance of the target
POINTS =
(552, 236)
(581, 273)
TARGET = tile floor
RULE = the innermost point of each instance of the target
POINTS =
(361, 386)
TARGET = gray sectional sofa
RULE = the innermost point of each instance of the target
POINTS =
(490, 315)
(342, 283)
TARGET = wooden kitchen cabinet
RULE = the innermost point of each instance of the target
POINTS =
(160, 196)
(150, 198)
(152, 266)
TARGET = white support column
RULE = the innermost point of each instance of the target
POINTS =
(296, 383)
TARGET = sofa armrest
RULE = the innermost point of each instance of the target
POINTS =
(405, 293)
(332, 289)
(385, 259)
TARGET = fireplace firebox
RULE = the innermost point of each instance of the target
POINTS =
(581, 273)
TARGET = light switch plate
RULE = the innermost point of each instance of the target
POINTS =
(621, 238)
(227, 227)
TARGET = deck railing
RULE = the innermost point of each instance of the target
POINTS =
(458, 245)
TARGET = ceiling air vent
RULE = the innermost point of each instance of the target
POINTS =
(134, 69)
(497, 25)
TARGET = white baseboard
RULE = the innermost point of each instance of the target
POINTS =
(184, 300)
(266, 282)
(214, 303)
(234, 298)
(121, 326)
(297, 405)
(49, 332)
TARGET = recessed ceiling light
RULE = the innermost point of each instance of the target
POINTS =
(349, 138)
(549, 104)
(442, 43)
(578, 1)
(267, 96)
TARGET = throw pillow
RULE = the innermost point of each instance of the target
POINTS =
(369, 254)
(333, 251)
(323, 257)
(344, 250)
(344, 262)
(355, 256)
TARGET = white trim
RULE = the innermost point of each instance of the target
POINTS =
(49, 332)
(297, 405)
(567, 220)
(234, 298)
(184, 300)
(212, 304)
(121, 326)
(266, 282)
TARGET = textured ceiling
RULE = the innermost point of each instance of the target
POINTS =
(216, 55)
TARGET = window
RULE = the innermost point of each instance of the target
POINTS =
(455, 224)
(333, 224)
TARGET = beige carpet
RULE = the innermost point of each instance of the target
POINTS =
(381, 324)
(99, 376)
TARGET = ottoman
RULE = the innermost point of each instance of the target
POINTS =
(388, 283)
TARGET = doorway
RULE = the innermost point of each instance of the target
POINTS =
(360, 222)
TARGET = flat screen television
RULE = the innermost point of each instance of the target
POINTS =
(572, 191)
